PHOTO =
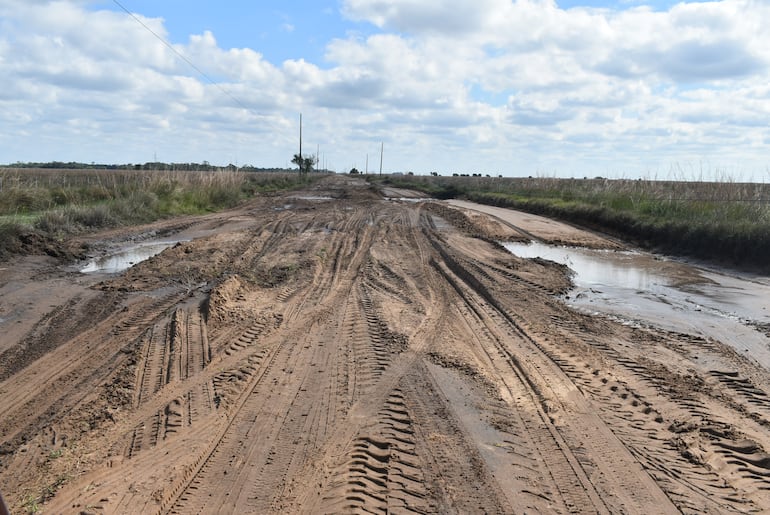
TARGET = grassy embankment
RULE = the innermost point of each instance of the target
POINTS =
(53, 204)
(725, 222)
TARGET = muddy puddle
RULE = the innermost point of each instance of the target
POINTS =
(647, 289)
(312, 197)
(412, 199)
(126, 257)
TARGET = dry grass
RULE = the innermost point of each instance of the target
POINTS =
(55, 203)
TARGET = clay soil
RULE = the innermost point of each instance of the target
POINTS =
(334, 351)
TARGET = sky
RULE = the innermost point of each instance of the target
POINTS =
(567, 88)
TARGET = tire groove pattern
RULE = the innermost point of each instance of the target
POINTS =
(382, 473)
(688, 481)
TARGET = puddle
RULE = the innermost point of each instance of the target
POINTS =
(638, 287)
(127, 257)
(312, 197)
(412, 199)
(597, 267)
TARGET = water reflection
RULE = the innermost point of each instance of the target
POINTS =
(640, 287)
(596, 267)
(126, 258)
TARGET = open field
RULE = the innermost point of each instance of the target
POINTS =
(331, 351)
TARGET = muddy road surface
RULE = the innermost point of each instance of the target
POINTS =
(333, 351)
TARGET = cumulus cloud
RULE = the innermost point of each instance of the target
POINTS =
(86, 74)
(515, 86)
(598, 75)
(449, 17)
(533, 112)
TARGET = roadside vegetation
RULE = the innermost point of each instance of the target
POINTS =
(48, 205)
(718, 222)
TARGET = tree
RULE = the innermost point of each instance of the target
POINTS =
(354, 171)
(305, 164)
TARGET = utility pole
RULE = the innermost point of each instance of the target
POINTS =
(382, 149)
(300, 141)
(366, 170)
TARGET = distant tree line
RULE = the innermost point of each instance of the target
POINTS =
(205, 166)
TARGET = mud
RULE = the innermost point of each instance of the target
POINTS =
(356, 354)
(641, 288)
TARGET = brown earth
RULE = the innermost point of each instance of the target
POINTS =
(359, 355)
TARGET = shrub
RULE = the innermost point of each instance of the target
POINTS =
(93, 217)
(55, 222)
(10, 231)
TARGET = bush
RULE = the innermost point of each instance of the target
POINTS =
(10, 232)
(55, 223)
(18, 200)
(93, 217)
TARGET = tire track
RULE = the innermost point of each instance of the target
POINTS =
(282, 407)
(274, 420)
(686, 447)
(576, 492)
(383, 472)
(690, 486)
(175, 350)
(250, 374)
(458, 476)
(67, 382)
(524, 356)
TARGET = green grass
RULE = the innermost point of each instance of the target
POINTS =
(719, 222)
(58, 203)
(10, 233)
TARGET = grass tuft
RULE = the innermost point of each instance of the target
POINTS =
(10, 233)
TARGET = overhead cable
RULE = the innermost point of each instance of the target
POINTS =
(185, 59)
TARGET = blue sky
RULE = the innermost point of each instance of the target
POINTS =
(620, 88)
(287, 30)
(278, 29)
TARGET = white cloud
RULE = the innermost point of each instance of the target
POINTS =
(457, 17)
(616, 78)
(512, 86)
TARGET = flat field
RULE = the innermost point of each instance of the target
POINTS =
(332, 351)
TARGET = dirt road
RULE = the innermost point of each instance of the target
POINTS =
(336, 352)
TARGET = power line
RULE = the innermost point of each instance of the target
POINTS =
(185, 59)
